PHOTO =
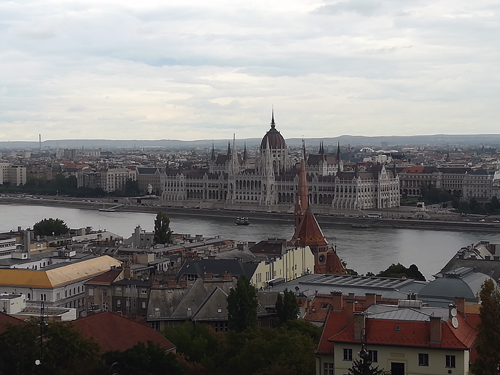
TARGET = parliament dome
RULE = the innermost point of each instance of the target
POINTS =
(273, 138)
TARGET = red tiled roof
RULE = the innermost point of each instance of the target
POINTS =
(115, 332)
(414, 169)
(6, 319)
(334, 323)
(106, 278)
(411, 333)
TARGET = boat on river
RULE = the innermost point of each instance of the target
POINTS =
(242, 221)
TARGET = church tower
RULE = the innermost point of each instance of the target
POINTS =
(308, 232)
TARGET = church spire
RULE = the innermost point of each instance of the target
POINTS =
(228, 148)
(338, 157)
(212, 157)
(273, 125)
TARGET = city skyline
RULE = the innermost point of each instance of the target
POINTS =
(197, 70)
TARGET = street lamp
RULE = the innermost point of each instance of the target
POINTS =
(364, 354)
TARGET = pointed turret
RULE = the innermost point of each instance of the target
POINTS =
(273, 124)
(212, 157)
(309, 233)
(338, 158)
(228, 148)
(245, 156)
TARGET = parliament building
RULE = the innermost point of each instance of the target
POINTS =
(270, 181)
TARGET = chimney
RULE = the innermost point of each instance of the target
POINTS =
(435, 330)
(207, 276)
(350, 309)
(227, 276)
(460, 304)
(337, 300)
(127, 272)
(371, 299)
(172, 284)
(183, 283)
(359, 325)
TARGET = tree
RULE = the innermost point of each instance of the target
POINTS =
(144, 360)
(364, 367)
(488, 331)
(49, 227)
(398, 270)
(287, 306)
(62, 350)
(162, 228)
(242, 305)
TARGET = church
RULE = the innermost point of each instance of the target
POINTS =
(271, 181)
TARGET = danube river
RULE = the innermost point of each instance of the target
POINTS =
(364, 249)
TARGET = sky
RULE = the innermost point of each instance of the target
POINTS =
(199, 69)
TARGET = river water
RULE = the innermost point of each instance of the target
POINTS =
(364, 249)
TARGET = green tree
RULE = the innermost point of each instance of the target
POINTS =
(262, 351)
(360, 367)
(287, 306)
(162, 228)
(488, 331)
(242, 305)
(144, 360)
(49, 227)
(198, 343)
(62, 350)
(400, 271)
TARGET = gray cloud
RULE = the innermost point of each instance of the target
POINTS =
(210, 69)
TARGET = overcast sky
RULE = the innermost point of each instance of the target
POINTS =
(205, 69)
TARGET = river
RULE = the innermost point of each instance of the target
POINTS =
(364, 249)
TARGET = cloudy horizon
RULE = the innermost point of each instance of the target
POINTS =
(192, 70)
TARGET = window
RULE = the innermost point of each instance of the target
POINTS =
(373, 356)
(328, 369)
(105, 306)
(104, 292)
(91, 292)
(423, 359)
(347, 354)
(450, 361)
(118, 289)
(144, 291)
(118, 303)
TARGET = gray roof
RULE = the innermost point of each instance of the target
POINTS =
(461, 282)
(216, 267)
(147, 170)
(182, 303)
(387, 287)
(214, 307)
(392, 312)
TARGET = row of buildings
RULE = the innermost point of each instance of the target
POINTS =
(266, 177)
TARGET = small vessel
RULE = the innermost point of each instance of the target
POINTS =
(242, 221)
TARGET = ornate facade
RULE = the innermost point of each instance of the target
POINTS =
(270, 182)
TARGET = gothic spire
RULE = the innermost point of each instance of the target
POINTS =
(228, 148)
(213, 152)
(338, 157)
(273, 125)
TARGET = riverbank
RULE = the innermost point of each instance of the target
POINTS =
(356, 222)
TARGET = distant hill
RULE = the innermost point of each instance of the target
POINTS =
(492, 140)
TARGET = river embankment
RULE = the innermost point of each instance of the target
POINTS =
(395, 219)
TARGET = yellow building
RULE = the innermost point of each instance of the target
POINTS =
(290, 265)
(60, 285)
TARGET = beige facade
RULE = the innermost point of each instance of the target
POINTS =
(12, 174)
(289, 266)
(439, 361)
